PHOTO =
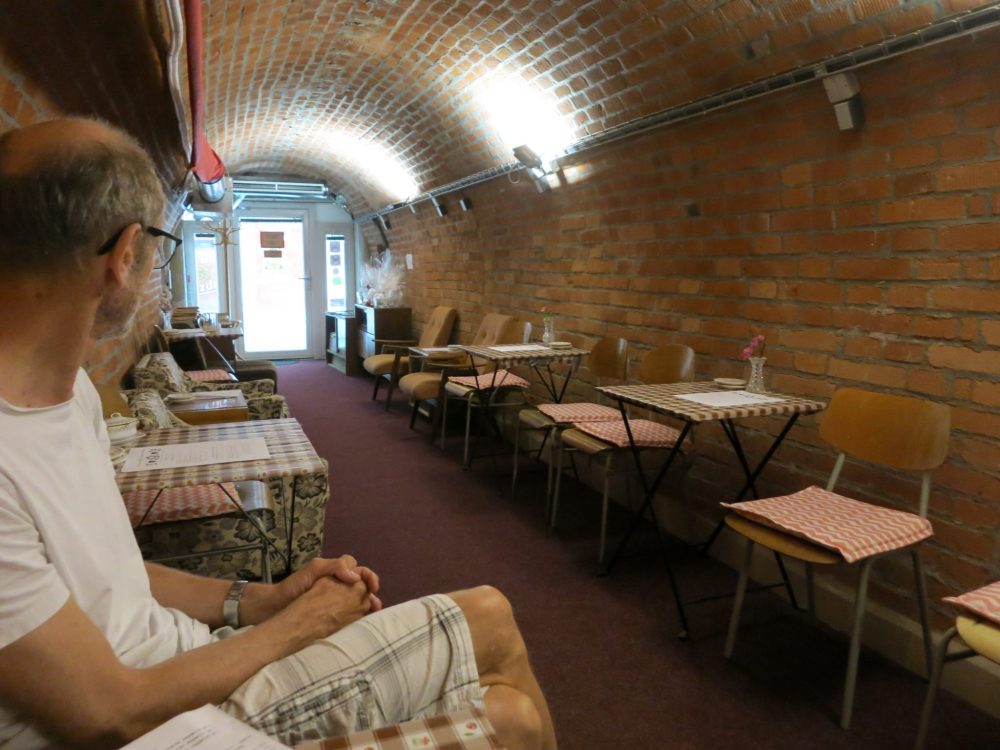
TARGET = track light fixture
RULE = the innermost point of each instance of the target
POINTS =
(527, 157)
(465, 203)
(439, 207)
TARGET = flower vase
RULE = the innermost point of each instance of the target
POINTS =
(549, 329)
(167, 318)
(756, 382)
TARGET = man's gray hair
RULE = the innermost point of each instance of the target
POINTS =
(73, 200)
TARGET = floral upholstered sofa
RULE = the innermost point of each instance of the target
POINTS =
(157, 540)
(160, 372)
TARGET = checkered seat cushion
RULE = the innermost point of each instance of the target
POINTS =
(502, 379)
(983, 602)
(854, 529)
(179, 504)
(210, 376)
(647, 434)
(575, 413)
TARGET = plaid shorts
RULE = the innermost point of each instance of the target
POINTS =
(408, 661)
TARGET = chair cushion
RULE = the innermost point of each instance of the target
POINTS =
(179, 503)
(580, 412)
(983, 602)
(420, 386)
(210, 376)
(381, 364)
(854, 529)
(503, 379)
(647, 434)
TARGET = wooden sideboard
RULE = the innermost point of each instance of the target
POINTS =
(382, 323)
(342, 342)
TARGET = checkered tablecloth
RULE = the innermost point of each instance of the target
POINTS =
(983, 602)
(534, 356)
(180, 503)
(854, 529)
(496, 379)
(291, 455)
(662, 398)
(466, 729)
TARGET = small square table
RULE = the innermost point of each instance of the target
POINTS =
(665, 399)
(291, 455)
(208, 407)
(536, 356)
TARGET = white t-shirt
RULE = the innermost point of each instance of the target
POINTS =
(64, 532)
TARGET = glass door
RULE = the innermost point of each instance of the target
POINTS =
(274, 287)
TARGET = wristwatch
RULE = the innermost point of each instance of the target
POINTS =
(231, 604)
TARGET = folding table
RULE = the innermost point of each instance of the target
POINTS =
(672, 399)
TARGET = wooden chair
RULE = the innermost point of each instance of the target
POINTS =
(608, 360)
(895, 432)
(392, 362)
(427, 384)
(668, 364)
(979, 627)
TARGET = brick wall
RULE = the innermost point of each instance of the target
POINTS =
(868, 259)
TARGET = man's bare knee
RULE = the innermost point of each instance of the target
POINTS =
(515, 718)
(495, 635)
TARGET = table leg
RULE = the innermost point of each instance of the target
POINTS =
(291, 523)
(649, 492)
(150, 507)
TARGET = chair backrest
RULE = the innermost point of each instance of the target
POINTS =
(901, 432)
(609, 358)
(673, 363)
(518, 333)
(438, 328)
(494, 329)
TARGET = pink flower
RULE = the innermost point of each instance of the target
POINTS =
(754, 348)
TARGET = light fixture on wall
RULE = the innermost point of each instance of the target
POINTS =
(465, 203)
(439, 207)
(384, 221)
(538, 169)
(844, 93)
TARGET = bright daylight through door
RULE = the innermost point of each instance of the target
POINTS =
(273, 279)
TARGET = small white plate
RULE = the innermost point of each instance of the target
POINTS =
(560, 345)
(731, 383)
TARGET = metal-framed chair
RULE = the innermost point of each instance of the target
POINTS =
(818, 527)
(978, 626)
(607, 361)
(672, 363)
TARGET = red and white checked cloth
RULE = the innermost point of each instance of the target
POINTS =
(646, 433)
(502, 379)
(568, 413)
(854, 529)
(179, 504)
(983, 602)
(210, 376)
(466, 729)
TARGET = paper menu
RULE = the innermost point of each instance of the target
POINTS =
(155, 457)
(729, 399)
(519, 348)
(205, 728)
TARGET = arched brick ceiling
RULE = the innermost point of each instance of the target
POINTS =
(280, 76)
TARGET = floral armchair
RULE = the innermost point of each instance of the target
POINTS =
(160, 372)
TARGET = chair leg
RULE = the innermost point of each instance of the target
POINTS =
(555, 490)
(517, 456)
(811, 589)
(444, 417)
(937, 669)
(388, 394)
(604, 509)
(468, 431)
(847, 708)
(413, 413)
(741, 590)
(265, 561)
(378, 382)
(925, 622)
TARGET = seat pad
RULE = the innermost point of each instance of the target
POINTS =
(983, 602)
(179, 503)
(503, 379)
(647, 434)
(854, 529)
(583, 412)
(210, 376)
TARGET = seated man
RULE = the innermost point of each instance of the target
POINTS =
(97, 647)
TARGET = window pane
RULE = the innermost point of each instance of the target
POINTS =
(206, 269)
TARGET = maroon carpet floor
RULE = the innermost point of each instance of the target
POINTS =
(605, 649)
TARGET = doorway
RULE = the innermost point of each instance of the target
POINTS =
(273, 288)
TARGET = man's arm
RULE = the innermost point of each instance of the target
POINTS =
(64, 676)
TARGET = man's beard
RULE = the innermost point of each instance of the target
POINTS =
(115, 314)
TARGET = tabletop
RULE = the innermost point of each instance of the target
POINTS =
(663, 398)
(194, 333)
(210, 406)
(506, 355)
(291, 455)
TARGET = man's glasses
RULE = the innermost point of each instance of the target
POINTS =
(165, 249)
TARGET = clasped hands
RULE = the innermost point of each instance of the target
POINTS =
(327, 594)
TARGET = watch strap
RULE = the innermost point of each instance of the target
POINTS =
(231, 604)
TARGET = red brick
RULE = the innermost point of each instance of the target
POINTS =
(979, 236)
(984, 174)
(907, 296)
(967, 298)
(873, 268)
(922, 209)
(964, 359)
